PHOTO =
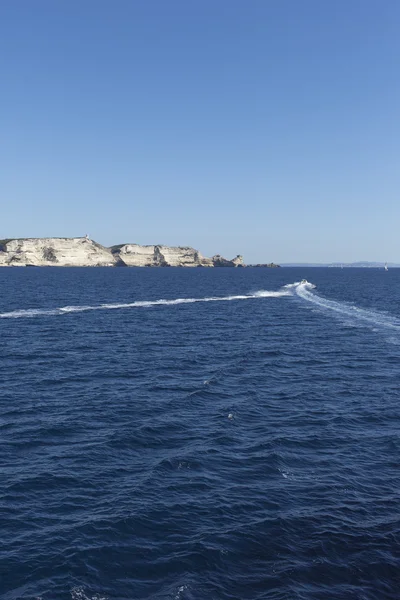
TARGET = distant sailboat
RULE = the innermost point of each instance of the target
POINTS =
(386, 267)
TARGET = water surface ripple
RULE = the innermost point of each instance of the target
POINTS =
(199, 434)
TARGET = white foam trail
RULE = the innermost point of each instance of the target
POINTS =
(36, 312)
(279, 294)
(302, 289)
(368, 317)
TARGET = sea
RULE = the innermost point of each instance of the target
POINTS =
(199, 434)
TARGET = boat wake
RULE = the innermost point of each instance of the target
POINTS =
(302, 290)
(37, 312)
(345, 310)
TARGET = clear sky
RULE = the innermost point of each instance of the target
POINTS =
(268, 128)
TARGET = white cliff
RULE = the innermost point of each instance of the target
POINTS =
(64, 252)
(134, 255)
(83, 252)
(220, 261)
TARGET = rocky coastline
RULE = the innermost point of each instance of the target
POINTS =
(84, 252)
(267, 265)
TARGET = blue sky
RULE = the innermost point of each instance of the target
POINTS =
(268, 128)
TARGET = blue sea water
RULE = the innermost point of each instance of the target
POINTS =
(157, 447)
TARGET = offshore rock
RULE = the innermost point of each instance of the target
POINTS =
(269, 265)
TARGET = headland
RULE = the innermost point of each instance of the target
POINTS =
(85, 252)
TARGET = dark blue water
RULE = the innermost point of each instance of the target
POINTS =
(245, 448)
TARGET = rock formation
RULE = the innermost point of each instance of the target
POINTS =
(83, 252)
(220, 261)
(63, 252)
(134, 255)
(269, 265)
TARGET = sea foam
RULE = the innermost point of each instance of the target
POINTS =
(346, 310)
(28, 313)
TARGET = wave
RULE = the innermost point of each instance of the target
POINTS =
(344, 309)
(303, 290)
(36, 312)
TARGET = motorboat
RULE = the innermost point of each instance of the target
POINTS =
(310, 285)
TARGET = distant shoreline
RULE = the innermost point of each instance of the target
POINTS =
(356, 265)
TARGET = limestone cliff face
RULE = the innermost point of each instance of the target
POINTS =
(83, 252)
(63, 252)
(220, 261)
(134, 255)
